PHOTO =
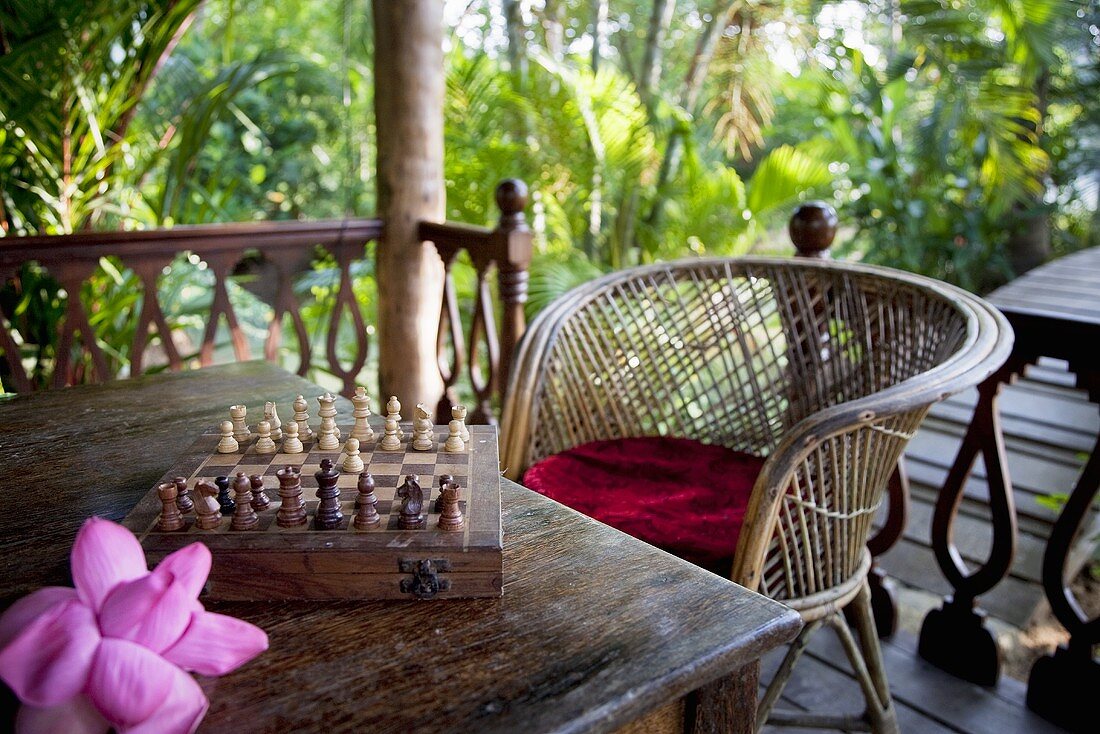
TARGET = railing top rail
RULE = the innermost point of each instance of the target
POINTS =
(203, 238)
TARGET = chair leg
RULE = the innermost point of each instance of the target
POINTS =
(783, 673)
(866, 660)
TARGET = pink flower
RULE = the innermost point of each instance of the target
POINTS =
(113, 651)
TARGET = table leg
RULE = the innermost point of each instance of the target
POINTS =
(1062, 687)
(954, 637)
(726, 706)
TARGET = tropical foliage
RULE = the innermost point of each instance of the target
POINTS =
(955, 137)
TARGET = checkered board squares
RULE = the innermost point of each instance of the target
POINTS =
(389, 469)
(269, 562)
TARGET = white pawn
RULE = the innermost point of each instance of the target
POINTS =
(271, 415)
(240, 428)
(291, 443)
(362, 429)
(227, 444)
(352, 464)
(301, 417)
(458, 413)
(393, 410)
(422, 429)
(264, 444)
(454, 443)
(390, 442)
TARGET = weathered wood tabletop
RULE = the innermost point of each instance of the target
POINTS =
(595, 629)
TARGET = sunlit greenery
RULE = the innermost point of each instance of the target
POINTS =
(956, 137)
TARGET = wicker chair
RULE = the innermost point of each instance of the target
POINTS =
(824, 368)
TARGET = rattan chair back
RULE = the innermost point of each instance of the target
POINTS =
(824, 368)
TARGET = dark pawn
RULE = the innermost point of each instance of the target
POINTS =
(328, 509)
(413, 502)
(444, 480)
(366, 490)
(260, 500)
(244, 518)
(228, 506)
(367, 516)
(183, 499)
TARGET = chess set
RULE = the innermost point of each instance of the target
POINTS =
(295, 511)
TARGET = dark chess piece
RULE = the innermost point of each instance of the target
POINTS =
(328, 509)
(183, 499)
(228, 506)
(450, 516)
(292, 511)
(444, 480)
(207, 514)
(244, 517)
(170, 516)
(366, 503)
(260, 501)
(413, 502)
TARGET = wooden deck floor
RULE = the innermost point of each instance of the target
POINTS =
(1048, 427)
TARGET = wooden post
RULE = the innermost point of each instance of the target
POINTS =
(512, 261)
(812, 229)
(408, 106)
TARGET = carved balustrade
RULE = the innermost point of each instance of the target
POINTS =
(280, 252)
(480, 350)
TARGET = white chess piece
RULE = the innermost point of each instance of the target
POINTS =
(264, 444)
(227, 444)
(362, 429)
(422, 429)
(240, 429)
(271, 415)
(352, 463)
(390, 442)
(328, 438)
(291, 443)
(454, 443)
(393, 410)
(458, 413)
(301, 417)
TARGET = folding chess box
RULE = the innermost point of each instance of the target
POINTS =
(271, 562)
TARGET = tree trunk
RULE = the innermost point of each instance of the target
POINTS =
(693, 84)
(516, 52)
(659, 21)
(648, 81)
(599, 27)
(408, 107)
(553, 18)
(1029, 242)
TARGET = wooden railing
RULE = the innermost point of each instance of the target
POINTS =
(508, 248)
(285, 250)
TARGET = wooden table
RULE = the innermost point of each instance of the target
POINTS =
(1055, 312)
(595, 630)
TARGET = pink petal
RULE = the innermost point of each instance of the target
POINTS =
(153, 611)
(24, 611)
(215, 644)
(49, 662)
(180, 713)
(137, 690)
(104, 554)
(189, 565)
(75, 716)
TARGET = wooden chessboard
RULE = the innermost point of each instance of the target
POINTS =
(381, 562)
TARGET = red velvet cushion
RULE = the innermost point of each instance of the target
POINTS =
(677, 494)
